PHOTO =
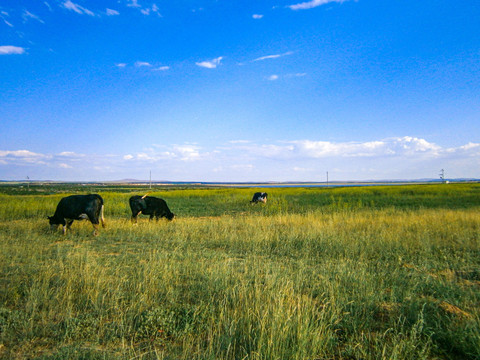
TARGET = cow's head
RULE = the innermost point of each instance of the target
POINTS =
(53, 223)
(170, 216)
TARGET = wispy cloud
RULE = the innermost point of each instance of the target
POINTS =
(211, 64)
(11, 50)
(111, 12)
(296, 75)
(162, 68)
(312, 4)
(151, 10)
(4, 15)
(27, 15)
(144, 64)
(77, 8)
(7, 23)
(287, 76)
(257, 16)
(275, 56)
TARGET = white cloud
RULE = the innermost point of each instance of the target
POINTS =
(111, 12)
(187, 152)
(142, 64)
(242, 167)
(152, 10)
(121, 65)
(133, 3)
(20, 154)
(311, 149)
(162, 68)
(22, 157)
(67, 153)
(212, 64)
(296, 75)
(239, 141)
(244, 160)
(470, 146)
(312, 4)
(288, 76)
(275, 56)
(11, 50)
(404, 146)
(257, 16)
(77, 8)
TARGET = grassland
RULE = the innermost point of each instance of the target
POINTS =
(389, 272)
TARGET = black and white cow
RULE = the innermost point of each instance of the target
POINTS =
(259, 197)
(78, 207)
(149, 205)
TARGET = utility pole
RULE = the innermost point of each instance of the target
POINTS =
(150, 179)
(327, 178)
(442, 175)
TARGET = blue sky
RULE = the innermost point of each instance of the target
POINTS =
(204, 90)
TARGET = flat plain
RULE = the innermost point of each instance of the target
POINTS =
(374, 272)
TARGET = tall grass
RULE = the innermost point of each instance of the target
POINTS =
(285, 280)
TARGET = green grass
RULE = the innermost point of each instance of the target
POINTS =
(345, 273)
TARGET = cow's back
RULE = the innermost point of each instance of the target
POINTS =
(74, 205)
(155, 203)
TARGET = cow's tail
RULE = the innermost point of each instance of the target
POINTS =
(102, 219)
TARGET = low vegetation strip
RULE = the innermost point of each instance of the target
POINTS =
(376, 273)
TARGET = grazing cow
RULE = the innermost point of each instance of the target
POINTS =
(78, 207)
(149, 205)
(259, 196)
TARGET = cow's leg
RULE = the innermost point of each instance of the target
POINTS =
(95, 229)
(151, 217)
(69, 224)
(66, 226)
(133, 219)
(94, 220)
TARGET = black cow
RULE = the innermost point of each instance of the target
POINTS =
(149, 205)
(259, 196)
(78, 207)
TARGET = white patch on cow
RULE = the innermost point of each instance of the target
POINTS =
(83, 216)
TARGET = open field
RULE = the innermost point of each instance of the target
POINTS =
(388, 272)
